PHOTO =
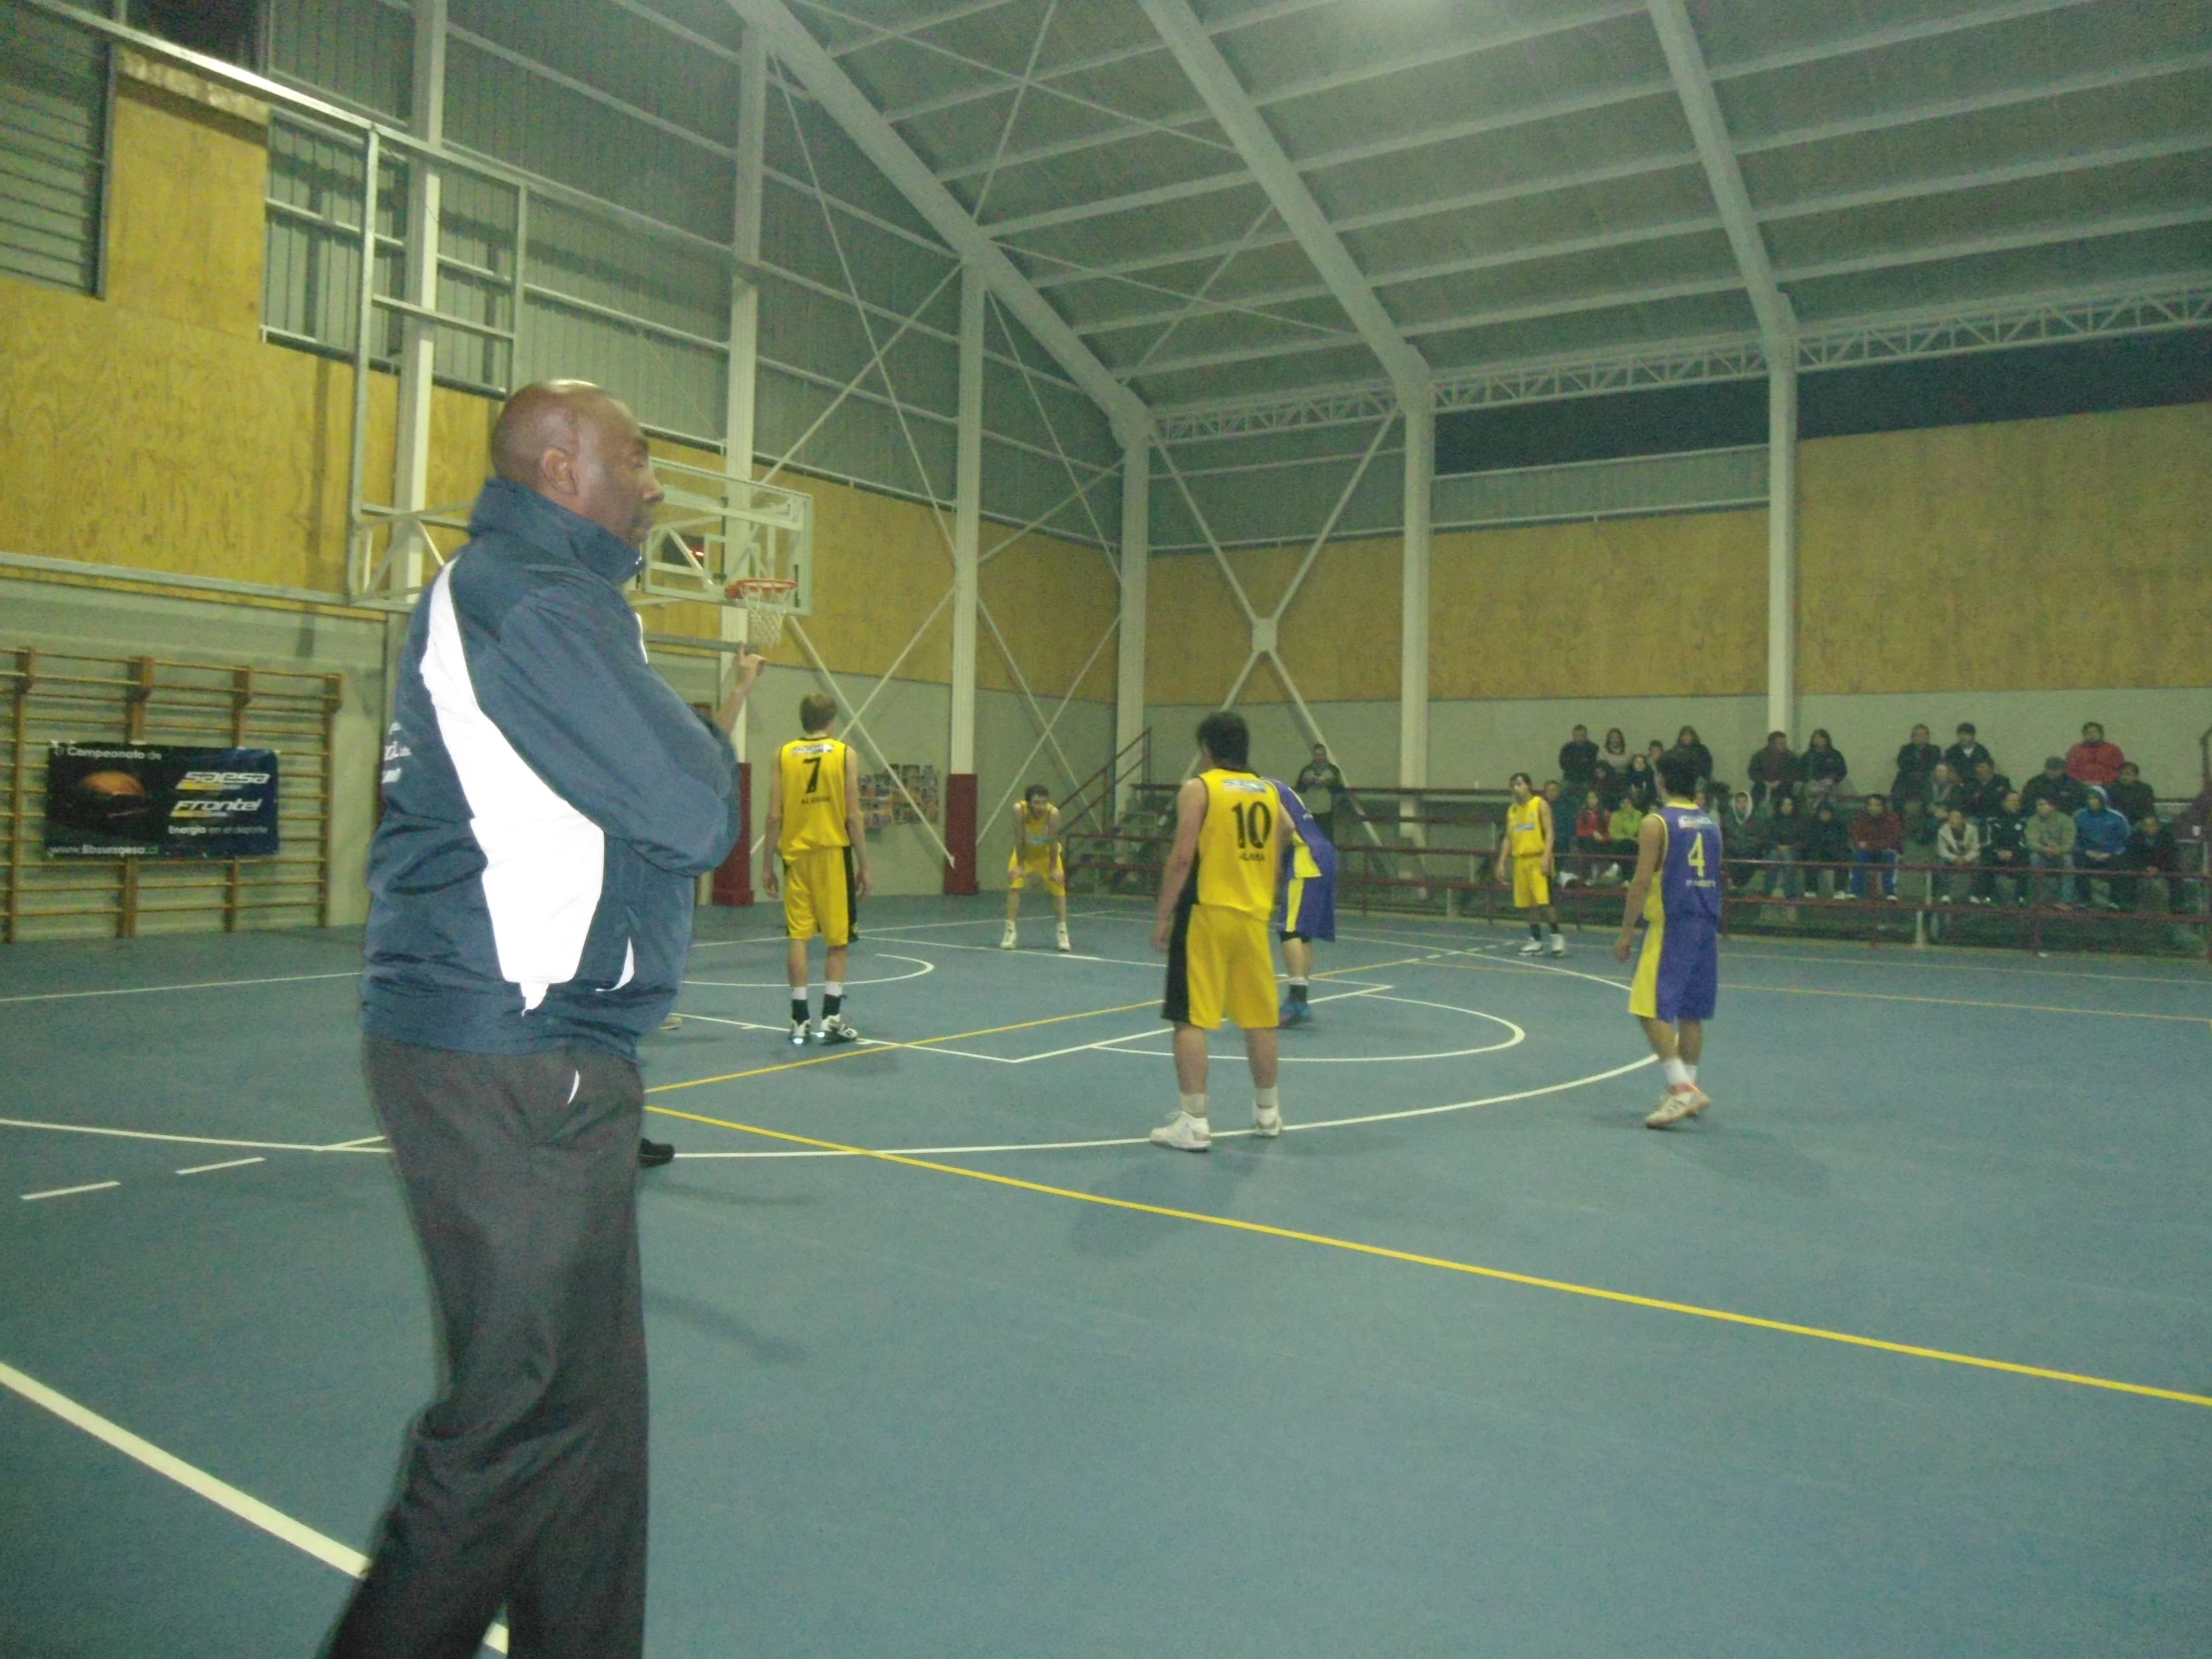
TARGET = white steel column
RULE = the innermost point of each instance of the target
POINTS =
(1418, 405)
(967, 519)
(1782, 537)
(962, 832)
(410, 484)
(745, 306)
(1136, 562)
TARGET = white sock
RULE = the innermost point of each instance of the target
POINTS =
(1298, 979)
(1555, 935)
(832, 988)
(1269, 1099)
(1678, 1074)
(1691, 1069)
(1194, 1105)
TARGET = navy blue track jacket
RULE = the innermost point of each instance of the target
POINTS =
(549, 801)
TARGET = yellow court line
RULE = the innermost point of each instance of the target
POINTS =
(1564, 1286)
(1866, 997)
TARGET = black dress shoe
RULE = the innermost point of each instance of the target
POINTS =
(652, 1154)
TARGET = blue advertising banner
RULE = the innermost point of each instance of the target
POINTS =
(155, 800)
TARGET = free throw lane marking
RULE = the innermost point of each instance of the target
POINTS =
(228, 1162)
(1474, 1270)
(201, 1484)
(71, 1192)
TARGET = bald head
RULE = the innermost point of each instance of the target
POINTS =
(574, 444)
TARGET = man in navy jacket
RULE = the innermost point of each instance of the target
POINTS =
(549, 805)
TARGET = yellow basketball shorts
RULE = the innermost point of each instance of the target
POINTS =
(1531, 885)
(1044, 869)
(1219, 964)
(818, 894)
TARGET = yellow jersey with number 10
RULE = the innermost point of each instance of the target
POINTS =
(1239, 842)
(813, 771)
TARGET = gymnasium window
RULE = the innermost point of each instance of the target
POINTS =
(53, 150)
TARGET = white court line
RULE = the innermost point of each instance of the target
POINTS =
(201, 1484)
(193, 1140)
(920, 968)
(1156, 964)
(356, 1145)
(197, 985)
(228, 1162)
(1518, 1037)
(903, 928)
(71, 1192)
(1219, 1134)
(1111, 1044)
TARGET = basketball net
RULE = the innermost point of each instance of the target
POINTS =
(768, 601)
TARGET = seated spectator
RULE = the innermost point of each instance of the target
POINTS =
(1822, 767)
(1959, 851)
(1686, 743)
(1877, 839)
(2004, 848)
(1621, 827)
(2050, 835)
(1968, 754)
(2131, 796)
(1743, 838)
(1827, 842)
(2151, 849)
(1773, 768)
(1918, 853)
(1916, 761)
(1985, 793)
(1786, 828)
(2100, 841)
(1577, 763)
(1944, 791)
(1589, 824)
(2092, 760)
(1640, 784)
(2052, 783)
(1611, 772)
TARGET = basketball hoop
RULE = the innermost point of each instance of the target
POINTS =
(768, 601)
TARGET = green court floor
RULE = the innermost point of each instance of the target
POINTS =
(1902, 1349)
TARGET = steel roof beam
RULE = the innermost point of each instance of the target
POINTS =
(1686, 63)
(864, 125)
(2003, 242)
(1224, 96)
(1899, 34)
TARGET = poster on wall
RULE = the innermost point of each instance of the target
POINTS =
(156, 801)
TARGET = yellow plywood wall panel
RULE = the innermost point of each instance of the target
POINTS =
(1195, 636)
(126, 438)
(1341, 635)
(881, 566)
(2027, 555)
(1639, 607)
(1055, 600)
(185, 228)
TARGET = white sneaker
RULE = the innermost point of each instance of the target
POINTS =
(836, 1028)
(1559, 944)
(799, 1033)
(1534, 947)
(1184, 1133)
(1061, 939)
(1682, 1100)
(1008, 940)
(673, 1022)
(1266, 1121)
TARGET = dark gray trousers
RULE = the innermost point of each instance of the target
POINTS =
(523, 1486)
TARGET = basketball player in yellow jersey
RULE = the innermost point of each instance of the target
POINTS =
(1216, 896)
(815, 841)
(1529, 849)
(1036, 857)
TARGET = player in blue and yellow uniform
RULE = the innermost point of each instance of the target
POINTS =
(1035, 858)
(1216, 896)
(1676, 896)
(1530, 839)
(1307, 910)
(818, 857)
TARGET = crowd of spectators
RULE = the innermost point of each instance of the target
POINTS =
(2083, 830)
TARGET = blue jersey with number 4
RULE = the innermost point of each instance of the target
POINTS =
(1689, 884)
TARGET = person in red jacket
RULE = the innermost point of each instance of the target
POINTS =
(1877, 837)
(2092, 760)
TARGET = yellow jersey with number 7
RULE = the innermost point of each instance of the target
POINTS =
(1239, 844)
(812, 770)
